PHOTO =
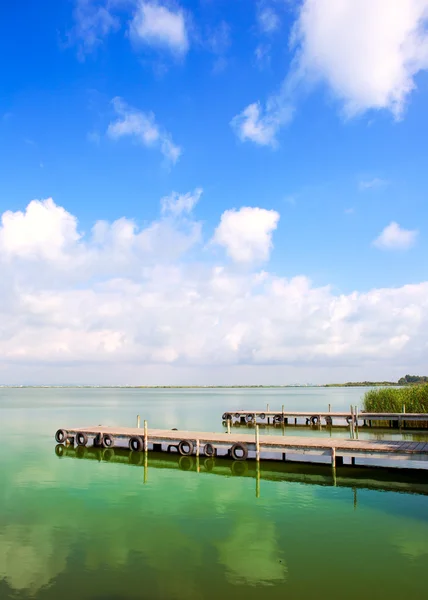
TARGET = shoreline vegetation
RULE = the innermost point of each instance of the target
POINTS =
(408, 380)
(410, 399)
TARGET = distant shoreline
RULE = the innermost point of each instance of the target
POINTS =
(202, 387)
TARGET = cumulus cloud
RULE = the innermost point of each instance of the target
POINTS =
(142, 127)
(177, 204)
(160, 26)
(394, 237)
(246, 234)
(125, 296)
(261, 124)
(366, 53)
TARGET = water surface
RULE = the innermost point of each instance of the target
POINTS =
(101, 527)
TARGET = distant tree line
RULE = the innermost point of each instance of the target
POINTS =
(409, 379)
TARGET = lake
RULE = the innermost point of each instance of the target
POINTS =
(102, 528)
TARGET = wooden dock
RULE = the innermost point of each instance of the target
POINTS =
(327, 418)
(242, 446)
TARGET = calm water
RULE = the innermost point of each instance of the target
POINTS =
(100, 527)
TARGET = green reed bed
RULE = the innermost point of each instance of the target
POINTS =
(414, 399)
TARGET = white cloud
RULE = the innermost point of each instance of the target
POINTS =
(394, 237)
(142, 127)
(246, 234)
(160, 26)
(94, 21)
(267, 19)
(367, 53)
(122, 299)
(177, 204)
(261, 125)
(43, 231)
(369, 184)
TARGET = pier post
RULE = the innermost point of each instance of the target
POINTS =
(329, 408)
(228, 425)
(351, 423)
(356, 420)
(267, 413)
(146, 465)
(138, 421)
(257, 444)
(333, 457)
(146, 441)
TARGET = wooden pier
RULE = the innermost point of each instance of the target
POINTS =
(327, 418)
(242, 446)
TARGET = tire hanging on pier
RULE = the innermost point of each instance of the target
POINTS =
(250, 418)
(185, 447)
(209, 450)
(314, 420)
(237, 415)
(262, 416)
(136, 443)
(59, 450)
(227, 417)
(81, 439)
(277, 419)
(108, 441)
(61, 435)
(239, 451)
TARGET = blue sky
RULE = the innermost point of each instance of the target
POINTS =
(290, 139)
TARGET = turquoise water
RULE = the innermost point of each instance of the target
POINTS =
(101, 527)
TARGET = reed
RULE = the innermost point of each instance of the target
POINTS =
(414, 398)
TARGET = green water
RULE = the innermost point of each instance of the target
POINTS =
(101, 527)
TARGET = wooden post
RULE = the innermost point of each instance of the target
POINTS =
(329, 408)
(404, 408)
(257, 444)
(267, 414)
(138, 421)
(228, 425)
(333, 457)
(146, 464)
(146, 441)
(351, 423)
(356, 420)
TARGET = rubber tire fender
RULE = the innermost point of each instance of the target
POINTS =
(250, 418)
(59, 450)
(237, 415)
(136, 444)
(108, 441)
(61, 435)
(277, 418)
(81, 439)
(209, 450)
(236, 447)
(185, 447)
(262, 416)
(314, 420)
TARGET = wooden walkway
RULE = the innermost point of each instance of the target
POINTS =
(286, 417)
(243, 445)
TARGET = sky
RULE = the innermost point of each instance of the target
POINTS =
(213, 191)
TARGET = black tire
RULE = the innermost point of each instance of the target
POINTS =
(185, 463)
(237, 449)
(237, 415)
(314, 420)
(224, 416)
(209, 450)
(81, 439)
(108, 441)
(59, 450)
(329, 421)
(224, 423)
(61, 436)
(185, 447)
(209, 464)
(136, 444)
(250, 418)
(262, 416)
(277, 419)
(239, 468)
(349, 420)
